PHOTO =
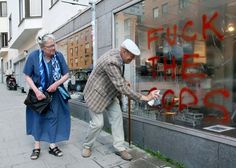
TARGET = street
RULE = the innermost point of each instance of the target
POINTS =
(16, 146)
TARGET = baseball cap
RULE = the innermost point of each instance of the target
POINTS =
(131, 47)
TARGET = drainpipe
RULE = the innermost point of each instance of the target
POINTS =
(94, 33)
(1, 70)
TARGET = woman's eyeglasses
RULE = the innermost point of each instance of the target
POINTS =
(51, 46)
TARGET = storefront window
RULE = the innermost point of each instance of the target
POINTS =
(188, 53)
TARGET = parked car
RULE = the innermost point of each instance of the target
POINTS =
(78, 80)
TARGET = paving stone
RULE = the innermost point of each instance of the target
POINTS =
(30, 164)
(141, 163)
(16, 146)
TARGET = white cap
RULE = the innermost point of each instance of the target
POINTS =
(131, 47)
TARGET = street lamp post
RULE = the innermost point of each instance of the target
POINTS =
(1, 60)
(94, 34)
(92, 5)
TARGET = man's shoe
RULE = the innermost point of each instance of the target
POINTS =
(86, 152)
(124, 155)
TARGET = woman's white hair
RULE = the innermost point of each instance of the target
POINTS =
(42, 37)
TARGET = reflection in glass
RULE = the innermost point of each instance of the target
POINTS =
(202, 101)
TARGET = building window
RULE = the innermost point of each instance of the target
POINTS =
(183, 4)
(10, 62)
(3, 9)
(30, 8)
(155, 13)
(10, 27)
(4, 40)
(203, 102)
(164, 9)
(127, 28)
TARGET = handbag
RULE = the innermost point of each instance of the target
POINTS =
(39, 106)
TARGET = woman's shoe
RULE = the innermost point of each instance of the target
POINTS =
(35, 154)
(55, 151)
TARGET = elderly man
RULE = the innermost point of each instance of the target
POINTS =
(105, 83)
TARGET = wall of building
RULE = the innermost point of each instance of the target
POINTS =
(59, 13)
(4, 24)
(24, 32)
(194, 148)
(104, 24)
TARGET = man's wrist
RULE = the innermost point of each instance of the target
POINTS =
(143, 98)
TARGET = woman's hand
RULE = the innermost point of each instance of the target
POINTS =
(40, 95)
(53, 87)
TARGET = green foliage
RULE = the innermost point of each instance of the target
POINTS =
(164, 158)
(108, 130)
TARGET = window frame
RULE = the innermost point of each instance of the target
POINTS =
(10, 27)
(164, 8)
(188, 46)
(2, 9)
(53, 2)
(155, 12)
(4, 39)
(183, 4)
(25, 10)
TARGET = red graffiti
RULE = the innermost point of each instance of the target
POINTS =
(168, 39)
(186, 64)
(190, 76)
(170, 66)
(155, 38)
(225, 93)
(186, 37)
(190, 70)
(168, 105)
(207, 25)
(163, 100)
(153, 61)
(191, 93)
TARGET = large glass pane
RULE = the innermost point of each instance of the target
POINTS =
(188, 53)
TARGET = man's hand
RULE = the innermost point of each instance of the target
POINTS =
(152, 95)
(128, 83)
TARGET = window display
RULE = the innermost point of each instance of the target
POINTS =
(189, 55)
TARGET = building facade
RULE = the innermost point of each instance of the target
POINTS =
(6, 62)
(24, 19)
(188, 53)
(188, 50)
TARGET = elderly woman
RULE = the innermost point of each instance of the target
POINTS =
(45, 71)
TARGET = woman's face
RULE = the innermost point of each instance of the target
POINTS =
(49, 48)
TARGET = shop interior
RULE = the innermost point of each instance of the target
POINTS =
(190, 60)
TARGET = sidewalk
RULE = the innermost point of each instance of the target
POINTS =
(16, 146)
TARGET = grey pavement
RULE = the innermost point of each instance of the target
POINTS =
(16, 146)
